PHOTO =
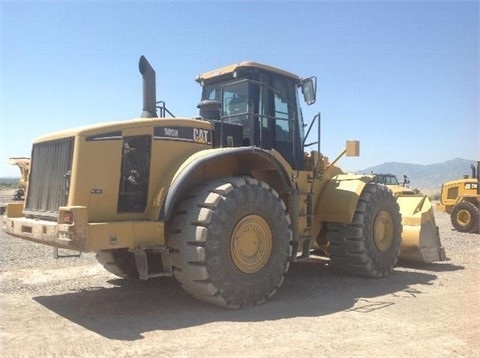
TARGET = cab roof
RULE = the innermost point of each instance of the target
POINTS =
(230, 69)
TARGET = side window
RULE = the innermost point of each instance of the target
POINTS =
(134, 176)
(288, 135)
(236, 108)
(235, 101)
(282, 123)
(211, 93)
(300, 118)
(281, 107)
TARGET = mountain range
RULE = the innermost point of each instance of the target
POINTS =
(425, 177)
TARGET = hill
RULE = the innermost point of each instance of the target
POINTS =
(425, 177)
(9, 182)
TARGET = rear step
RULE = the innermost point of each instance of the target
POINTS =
(142, 263)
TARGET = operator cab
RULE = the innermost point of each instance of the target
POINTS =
(386, 179)
(262, 102)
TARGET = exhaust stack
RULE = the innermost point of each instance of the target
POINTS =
(149, 93)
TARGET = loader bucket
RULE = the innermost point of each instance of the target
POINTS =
(420, 237)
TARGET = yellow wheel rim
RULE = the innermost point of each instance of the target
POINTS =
(251, 244)
(463, 217)
(383, 231)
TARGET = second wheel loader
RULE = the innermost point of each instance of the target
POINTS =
(461, 199)
(224, 202)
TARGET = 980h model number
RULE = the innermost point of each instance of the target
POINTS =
(183, 134)
(170, 132)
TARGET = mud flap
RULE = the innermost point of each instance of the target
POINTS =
(420, 236)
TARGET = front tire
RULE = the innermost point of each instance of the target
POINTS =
(370, 245)
(465, 217)
(230, 242)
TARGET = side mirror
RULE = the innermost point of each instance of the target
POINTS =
(309, 89)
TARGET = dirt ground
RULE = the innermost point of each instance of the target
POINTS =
(71, 307)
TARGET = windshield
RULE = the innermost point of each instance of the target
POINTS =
(236, 91)
(235, 102)
(386, 179)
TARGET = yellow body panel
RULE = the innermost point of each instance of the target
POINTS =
(100, 192)
(14, 210)
(84, 236)
(339, 198)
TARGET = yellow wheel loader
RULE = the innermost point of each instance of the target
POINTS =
(394, 185)
(461, 199)
(224, 202)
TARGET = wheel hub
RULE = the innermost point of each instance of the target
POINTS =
(463, 217)
(251, 244)
(383, 230)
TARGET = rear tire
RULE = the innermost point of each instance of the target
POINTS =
(465, 217)
(370, 245)
(230, 242)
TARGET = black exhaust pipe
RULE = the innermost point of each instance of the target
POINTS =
(149, 93)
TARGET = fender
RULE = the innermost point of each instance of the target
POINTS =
(339, 198)
(211, 164)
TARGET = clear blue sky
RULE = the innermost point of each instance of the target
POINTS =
(401, 77)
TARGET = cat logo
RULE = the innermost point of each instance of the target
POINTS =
(470, 186)
(200, 135)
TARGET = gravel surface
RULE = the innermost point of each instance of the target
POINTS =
(72, 307)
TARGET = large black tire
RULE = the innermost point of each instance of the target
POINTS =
(370, 245)
(120, 262)
(465, 217)
(230, 242)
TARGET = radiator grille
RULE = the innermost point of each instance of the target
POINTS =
(49, 175)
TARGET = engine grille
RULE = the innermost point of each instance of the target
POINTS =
(49, 176)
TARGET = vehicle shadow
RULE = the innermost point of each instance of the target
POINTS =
(431, 267)
(311, 289)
